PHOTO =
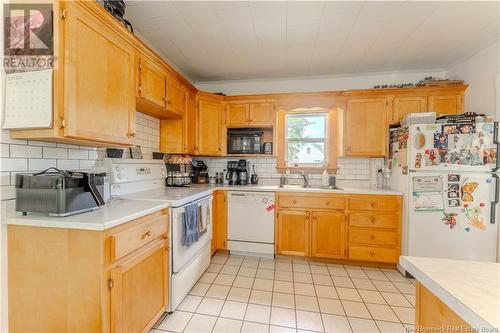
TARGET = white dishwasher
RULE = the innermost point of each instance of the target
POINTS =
(251, 223)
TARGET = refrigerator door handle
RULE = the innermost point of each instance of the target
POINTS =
(497, 143)
(494, 203)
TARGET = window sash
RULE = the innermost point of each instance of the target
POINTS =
(322, 115)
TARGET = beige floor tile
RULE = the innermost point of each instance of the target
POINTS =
(283, 276)
(301, 267)
(239, 294)
(234, 310)
(224, 280)
(349, 294)
(356, 309)
(307, 303)
(250, 262)
(261, 297)
(356, 273)
(396, 276)
(190, 303)
(283, 300)
(249, 327)
(199, 289)
(363, 284)
(243, 282)
(382, 312)
(331, 306)
(235, 261)
(406, 315)
(363, 325)
(225, 325)
(302, 277)
(387, 327)
(214, 268)
(267, 264)
(376, 275)
(200, 323)
(219, 260)
(176, 322)
(258, 313)
(281, 329)
(216, 291)
(265, 274)
(385, 286)
(318, 268)
(309, 321)
(396, 299)
(406, 287)
(229, 269)
(247, 271)
(371, 296)
(341, 281)
(283, 287)
(210, 306)
(208, 277)
(263, 284)
(324, 280)
(326, 291)
(304, 289)
(411, 299)
(336, 324)
(337, 271)
(283, 266)
(283, 317)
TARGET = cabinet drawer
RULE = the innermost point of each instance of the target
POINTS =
(376, 254)
(375, 237)
(374, 202)
(376, 220)
(129, 240)
(311, 201)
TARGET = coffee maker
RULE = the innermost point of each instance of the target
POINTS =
(199, 174)
(237, 172)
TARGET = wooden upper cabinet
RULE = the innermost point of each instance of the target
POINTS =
(293, 232)
(210, 120)
(190, 124)
(99, 103)
(366, 127)
(237, 115)
(140, 289)
(328, 234)
(152, 82)
(262, 114)
(404, 105)
(175, 95)
(446, 104)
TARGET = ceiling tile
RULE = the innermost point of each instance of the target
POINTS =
(266, 9)
(304, 12)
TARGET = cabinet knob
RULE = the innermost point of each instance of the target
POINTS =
(146, 234)
(372, 219)
(328, 203)
(372, 254)
(131, 135)
(372, 237)
(294, 202)
(373, 204)
(314, 218)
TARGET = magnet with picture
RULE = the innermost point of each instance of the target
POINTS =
(454, 203)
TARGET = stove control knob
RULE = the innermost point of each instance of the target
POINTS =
(119, 176)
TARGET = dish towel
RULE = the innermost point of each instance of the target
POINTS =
(190, 225)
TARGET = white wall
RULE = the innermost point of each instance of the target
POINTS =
(479, 72)
(322, 83)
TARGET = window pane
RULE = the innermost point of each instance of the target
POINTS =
(299, 152)
(299, 126)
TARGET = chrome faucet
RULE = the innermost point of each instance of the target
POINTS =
(306, 180)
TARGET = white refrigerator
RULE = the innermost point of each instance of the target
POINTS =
(448, 174)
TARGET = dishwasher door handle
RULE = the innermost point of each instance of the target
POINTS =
(238, 194)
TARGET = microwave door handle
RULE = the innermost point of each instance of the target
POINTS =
(496, 198)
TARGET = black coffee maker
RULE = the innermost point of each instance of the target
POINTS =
(237, 172)
(199, 175)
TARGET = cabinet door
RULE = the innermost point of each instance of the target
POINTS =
(175, 95)
(171, 136)
(366, 127)
(328, 234)
(99, 102)
(446, 104)
(209, 123)
(237, 115)
(152, 82)
(262, 114)
(219, 227)
(139, 289)
(293, 232)
(190, 124)
(404, 105)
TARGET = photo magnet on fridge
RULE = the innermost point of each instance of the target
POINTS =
(440, 140)
(453, 194)
(450, 129)
(466, 128)
(453, 187)
(453, 178)
(454, 203)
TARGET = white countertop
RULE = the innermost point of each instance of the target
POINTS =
(114, 213)
(470, 288)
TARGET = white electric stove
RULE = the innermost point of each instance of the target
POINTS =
(145, 180)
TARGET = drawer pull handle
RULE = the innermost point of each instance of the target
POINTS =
(373, 237)
(146, 234)
(372, 254)
(373, 203)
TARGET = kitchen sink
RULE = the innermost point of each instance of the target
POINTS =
(311, 188)
(292, 186)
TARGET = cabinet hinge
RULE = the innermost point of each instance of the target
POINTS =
(140, 88)
(63, 14)
(111, 283)
(140, 66)
(63, 123)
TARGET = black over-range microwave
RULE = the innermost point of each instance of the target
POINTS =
(244, 141)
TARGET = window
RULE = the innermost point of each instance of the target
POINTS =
(305, 142)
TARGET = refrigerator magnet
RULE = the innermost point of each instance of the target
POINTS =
(453, 178)
(454, 203)
(450, 219)
(440, 140)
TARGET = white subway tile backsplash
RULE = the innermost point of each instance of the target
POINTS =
(68, 164)
(87, 164)
(64, 145)
(49, 152)
(4, 150)
(78, 154)
(41, 164)
(13, 164)
(25, 151)
(4, 178)
(41, 143)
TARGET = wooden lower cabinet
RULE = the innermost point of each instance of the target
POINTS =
(68, 280)
(328, 234)
(293, 234)
(219, 221)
